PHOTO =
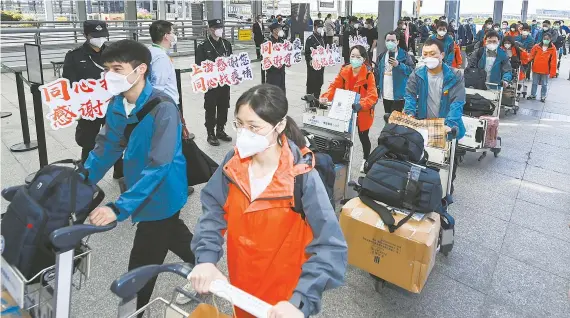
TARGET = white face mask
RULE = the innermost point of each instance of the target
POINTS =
(281, 34)
(97, 42)
(249, 143)
(507, 45)
(356, 25)
(219, 32)
(431, 62)
(492, 46)
(119, 83)
(525, 33)
(441, 33)
(320, 30)
(173, 40)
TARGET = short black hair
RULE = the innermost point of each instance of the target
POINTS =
(442, 24)
(158, 29)
(505, 22)
(392, 33)
(329, 15)
(127, 51)
(438, 43)
(492, 34)
(525, 26)
(546, 22)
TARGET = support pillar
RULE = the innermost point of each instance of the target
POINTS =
(348, 7)
(131, 15)
(256, 9)
(81, 8)
(48, 5)
(452, 10)
(339, 9)
(161, 10)
(524, 11)
(184, 10)
(215, 9)
(498, 11)
(197, 16)
(388, 14)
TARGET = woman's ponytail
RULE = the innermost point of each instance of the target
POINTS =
(294, 133)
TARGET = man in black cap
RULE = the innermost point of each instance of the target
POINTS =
(350, 30)
(276, 75)
(314, 77)
(216, 100)
(84, 62)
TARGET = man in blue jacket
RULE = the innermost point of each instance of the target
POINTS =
(155, 168)
(447, 40)
(493, 60)
(394, 67)
(525, 38)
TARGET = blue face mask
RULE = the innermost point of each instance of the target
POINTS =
(356, 62)
(391, 46)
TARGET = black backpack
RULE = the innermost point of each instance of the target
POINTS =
(398, 142)
(325, 167)
(475, 78)
(478, 104)
(57, 197)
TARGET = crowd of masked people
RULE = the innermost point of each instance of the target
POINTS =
(284, 258)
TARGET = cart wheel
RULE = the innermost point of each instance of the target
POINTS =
(483, 155)
(496, 151)
(379, 284)
(49, 275)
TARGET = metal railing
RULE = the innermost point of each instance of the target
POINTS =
(58, 37)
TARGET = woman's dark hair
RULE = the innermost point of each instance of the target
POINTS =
(514, 26)
(362, 50)
(526, 27)
(270, 104)
(508, 39)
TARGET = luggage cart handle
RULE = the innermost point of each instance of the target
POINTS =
(67, 238)
(131, 282)
(453, 132)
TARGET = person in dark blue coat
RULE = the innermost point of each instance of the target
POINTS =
(447, 40)
(394, 67)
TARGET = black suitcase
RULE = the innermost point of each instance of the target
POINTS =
(338, 147)
(477, 104)
(475, 78)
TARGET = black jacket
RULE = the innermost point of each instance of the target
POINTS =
(82, 63)
(348, 32)
(257, 33)
(313, 41)
(210, 49)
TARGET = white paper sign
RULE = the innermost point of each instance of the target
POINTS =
(321, 57)
(358, 40)
(279, 54)
(341, 108)
(225, 70)
(87, 99)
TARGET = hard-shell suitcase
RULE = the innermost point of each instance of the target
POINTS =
(492, 131)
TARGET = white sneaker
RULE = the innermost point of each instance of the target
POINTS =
(183, 300)
(362, 166)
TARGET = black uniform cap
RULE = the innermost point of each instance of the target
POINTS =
(274, 26)
(215, 23)
(95, 28)
(318, 23)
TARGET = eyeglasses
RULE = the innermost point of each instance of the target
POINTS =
(237, 125)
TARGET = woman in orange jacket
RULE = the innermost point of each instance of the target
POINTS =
(514, 31)
(517, 55)
(285, 258)
(458, 59)
(544, 58)
(358, 77)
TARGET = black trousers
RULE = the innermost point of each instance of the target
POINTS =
(152, 242)
(365, 141)
(258, 49)
(315, 80)
(216, 104)
(85, 135)
(276, 77)
(392, 105)
(412, 45)
(329, 40)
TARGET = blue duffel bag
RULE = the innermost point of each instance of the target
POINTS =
(57, 197)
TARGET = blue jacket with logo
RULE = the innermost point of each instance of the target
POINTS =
(154, 166)
(452, 97)
(448, 48)
(400, 73)
(501, 70)
(527, 43)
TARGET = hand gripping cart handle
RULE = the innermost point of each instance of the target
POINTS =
(64, 241)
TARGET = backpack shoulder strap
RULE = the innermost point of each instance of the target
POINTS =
(147, 108)
(298, 194)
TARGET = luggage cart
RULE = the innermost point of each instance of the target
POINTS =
(315, 118)
(512, 94)
(473, 141)
(51, 297)
(127, 286)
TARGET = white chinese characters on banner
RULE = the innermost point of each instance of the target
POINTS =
(358, 40)
(279, 54)
(321, 57)
(225, 70)
(87, 99)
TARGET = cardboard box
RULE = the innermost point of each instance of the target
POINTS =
(404, 258)
(9, 307)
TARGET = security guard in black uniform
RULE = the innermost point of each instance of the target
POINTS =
(350, 30)
(315, 78)
(274, 75)
(84, 62)
(216, 99)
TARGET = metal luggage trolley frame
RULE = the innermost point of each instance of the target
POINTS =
(51, 296)
(316, 118)
(515, 83)
(127, 286)
(495, 96)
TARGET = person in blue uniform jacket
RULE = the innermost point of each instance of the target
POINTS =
(493, 60)
(447, 40)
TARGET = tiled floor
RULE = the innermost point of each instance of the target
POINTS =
(512, 251)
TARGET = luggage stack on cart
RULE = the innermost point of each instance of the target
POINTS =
(45, 242)
(512, 94)
(399, 220)
(330, 130)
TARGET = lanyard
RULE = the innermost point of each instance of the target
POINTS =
(99, 66)
(212, 44)
(321, 43)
